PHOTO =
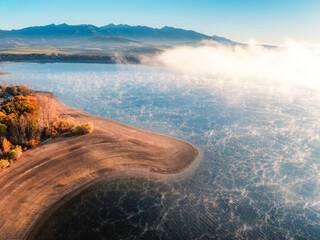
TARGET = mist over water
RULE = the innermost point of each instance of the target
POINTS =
(248, 69)
(292, 63)
(253, 112)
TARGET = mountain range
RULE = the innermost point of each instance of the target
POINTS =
(91, 39)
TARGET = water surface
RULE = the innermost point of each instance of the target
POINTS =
(259, 176)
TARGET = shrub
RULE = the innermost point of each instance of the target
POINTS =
(32, 143)
(21, 89)
(83, 128)
(24, 89)
(63, 125)
(15, 153)
(4, 86)
(12, 90)
(4, 163)
(49, 131)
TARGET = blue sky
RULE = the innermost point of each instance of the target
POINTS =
(267, 21)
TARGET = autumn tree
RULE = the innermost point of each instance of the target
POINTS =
(6, 146)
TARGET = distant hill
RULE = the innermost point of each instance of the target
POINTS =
(91, 39)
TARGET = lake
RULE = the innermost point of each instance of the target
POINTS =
(259, 172)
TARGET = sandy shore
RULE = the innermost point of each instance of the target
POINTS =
(45, 177)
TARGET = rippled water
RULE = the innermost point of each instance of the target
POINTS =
(260, 169)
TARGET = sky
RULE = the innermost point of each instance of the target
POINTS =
(266, 21)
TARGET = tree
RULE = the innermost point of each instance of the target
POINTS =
(6, 146)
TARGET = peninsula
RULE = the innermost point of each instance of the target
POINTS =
(3, 73)
(45, 177)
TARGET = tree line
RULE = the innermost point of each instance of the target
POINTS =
(27, 119)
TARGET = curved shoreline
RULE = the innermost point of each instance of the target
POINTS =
(48, 176)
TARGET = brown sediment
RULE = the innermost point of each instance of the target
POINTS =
(3, 73)
(45, 177)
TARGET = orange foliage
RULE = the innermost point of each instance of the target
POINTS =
(32, 143)
(19, 105)
(6, 146)
(26, 120)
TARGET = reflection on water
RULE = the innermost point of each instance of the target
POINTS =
(259, 177)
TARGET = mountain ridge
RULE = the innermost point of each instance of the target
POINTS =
(88, 39)
(120, 30)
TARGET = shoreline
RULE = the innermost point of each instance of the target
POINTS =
(47, 177)
(69, 58)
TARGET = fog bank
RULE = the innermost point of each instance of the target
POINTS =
(293, 64)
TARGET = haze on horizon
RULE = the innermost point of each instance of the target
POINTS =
(269, 22)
